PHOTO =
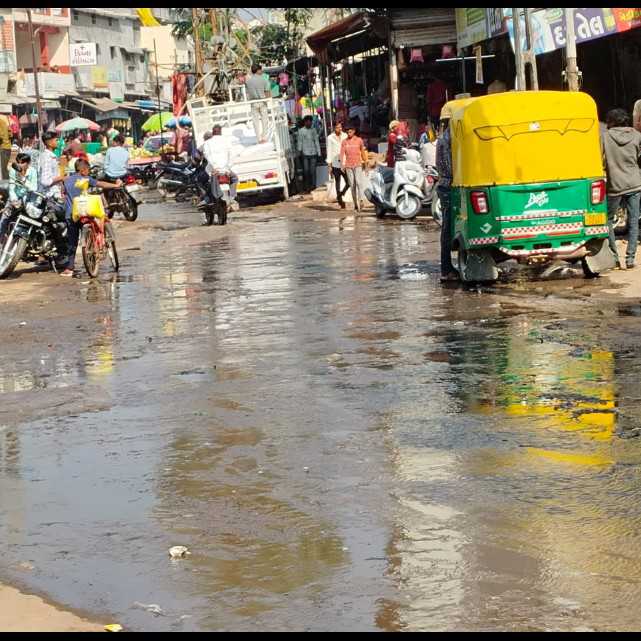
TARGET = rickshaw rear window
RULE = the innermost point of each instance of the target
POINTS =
(561, 126)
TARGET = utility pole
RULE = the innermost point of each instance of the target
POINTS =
(32, 34)
(162, 140)
(571, 69)
(518, 52)
(529, 56)
(197, 50)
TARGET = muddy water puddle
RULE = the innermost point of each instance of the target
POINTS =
(341, 442)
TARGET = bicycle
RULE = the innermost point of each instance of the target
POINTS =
(97, 241)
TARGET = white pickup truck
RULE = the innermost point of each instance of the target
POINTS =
(259, 166)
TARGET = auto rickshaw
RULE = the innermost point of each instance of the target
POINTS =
(528, 183)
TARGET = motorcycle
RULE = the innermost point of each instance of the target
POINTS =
(403, 188)
(122, 200)
(37, 227)
(178, 178)
(215, 210)
(146, 175)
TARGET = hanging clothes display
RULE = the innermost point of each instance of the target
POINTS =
(416, 55)
(179, 92)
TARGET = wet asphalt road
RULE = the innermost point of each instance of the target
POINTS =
(340, 441)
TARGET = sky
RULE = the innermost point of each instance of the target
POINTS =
(246, 14)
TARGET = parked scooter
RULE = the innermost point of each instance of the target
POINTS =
(402, 189)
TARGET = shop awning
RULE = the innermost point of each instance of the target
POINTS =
(99, 104)
(352, 35)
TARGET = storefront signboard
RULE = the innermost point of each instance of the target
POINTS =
(99, 77)
(471, 26)
(548, 25)
(626, 19)
(82, 54)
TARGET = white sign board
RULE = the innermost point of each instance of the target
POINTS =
(82, 54)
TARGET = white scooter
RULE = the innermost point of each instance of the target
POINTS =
(401, 188)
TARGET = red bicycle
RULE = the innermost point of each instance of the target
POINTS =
(98, 240)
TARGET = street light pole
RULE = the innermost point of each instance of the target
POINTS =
(571, 70)
(518, 51)
(32, 34)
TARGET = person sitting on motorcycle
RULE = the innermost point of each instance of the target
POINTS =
(217, 151)
(397, 140)
(71, 191)
(116, 159)
(23, 178)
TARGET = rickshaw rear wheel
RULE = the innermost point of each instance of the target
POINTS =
(599, 259)
(476, 267)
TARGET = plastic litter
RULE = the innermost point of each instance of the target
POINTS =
(154, 608)
(113, 627)
(178, 551)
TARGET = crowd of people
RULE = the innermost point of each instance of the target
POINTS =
(52, 179)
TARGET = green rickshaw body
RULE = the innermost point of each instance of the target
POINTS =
(528, 182)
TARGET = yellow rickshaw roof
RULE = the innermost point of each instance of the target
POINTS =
(525, 137)
(452, 105)
(518, 106)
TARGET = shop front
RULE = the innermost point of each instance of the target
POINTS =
(608, 50)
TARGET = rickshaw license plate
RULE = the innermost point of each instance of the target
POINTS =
(249, 184)
(594, 219)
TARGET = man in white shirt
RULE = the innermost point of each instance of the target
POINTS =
(334, 141)
(217, 151)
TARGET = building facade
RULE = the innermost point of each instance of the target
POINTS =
(121, 71)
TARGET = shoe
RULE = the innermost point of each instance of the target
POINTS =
(450, 278)
(629, 265)
(342, 204)
(67, 273)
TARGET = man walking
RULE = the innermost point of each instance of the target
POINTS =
(622, 145)
(334, 142)
(352, 151)
(258, 89)
(309, 148)
(444, 189)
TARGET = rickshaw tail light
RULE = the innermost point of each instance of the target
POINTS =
(479, 202)
(598, 192)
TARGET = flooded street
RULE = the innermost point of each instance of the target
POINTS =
(341, 442)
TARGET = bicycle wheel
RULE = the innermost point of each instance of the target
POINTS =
(90, 251)
(110, 239)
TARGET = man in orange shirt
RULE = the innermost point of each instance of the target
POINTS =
(352, 152)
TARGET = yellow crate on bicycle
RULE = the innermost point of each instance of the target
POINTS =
(86, 205)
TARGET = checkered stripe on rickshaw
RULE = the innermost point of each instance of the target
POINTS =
(566, 249)
(592, 231)
(490, 240)
(541, 214)
(563, 228)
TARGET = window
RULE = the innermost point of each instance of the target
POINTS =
(93, 19)
(112, 51)
(75, 15)
(110, 22)
(97, 49)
